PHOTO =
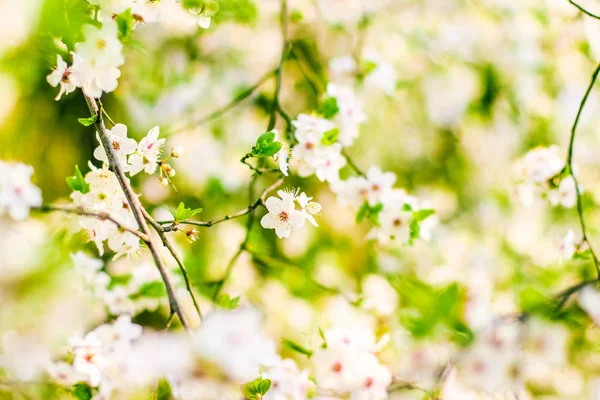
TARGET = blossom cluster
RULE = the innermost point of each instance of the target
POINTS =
(540, 174)
(282, 213)
(17, 194)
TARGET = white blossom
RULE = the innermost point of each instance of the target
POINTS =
(282, 215)
(60, 76)
(17, 194)
(148, 151)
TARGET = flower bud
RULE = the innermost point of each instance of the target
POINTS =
(163, 181)
(192, 235)
(313, 208)
(177, 151)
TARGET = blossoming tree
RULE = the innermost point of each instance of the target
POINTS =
(332, 280)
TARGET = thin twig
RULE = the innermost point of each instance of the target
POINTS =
(102, 215)
(352, 164)
(583, 10)
(569, 168)
(219, 112)
(158, 228)
(135, 205)
(173, 225)
(278, 72)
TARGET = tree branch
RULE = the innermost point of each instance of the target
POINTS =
(569, 168)
(173, 225)
(352, 164)
(102, 215)
(136, 206)
(159, 229)
(583, 10)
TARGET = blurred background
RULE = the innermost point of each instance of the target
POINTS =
(474, 85)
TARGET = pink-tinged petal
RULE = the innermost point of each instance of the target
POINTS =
(273, 204)
(283, 231)
(153, 134)
(287, 204)
(296, 218)
(269, 221)
(119, 130)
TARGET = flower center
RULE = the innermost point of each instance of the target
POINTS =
(368, 382)
(100, 44)
(309, 145)
(337, 367)
(283, 216)
(116, 145)
(397, 222)
(375, 187)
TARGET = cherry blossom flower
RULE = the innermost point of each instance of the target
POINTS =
(568, 245)
(383, 74)
(282, 216)
(148, 151)
(565, 195)
(287, 382)
(589, 301)
(60, 76)
(22, 357)
(17, 194)
(121, 144)
(350, 114)
(96, 61)
(309, 208)
(379, 295)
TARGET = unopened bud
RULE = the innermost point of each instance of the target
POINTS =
(313, 208)
(163, 181)
(177, 151)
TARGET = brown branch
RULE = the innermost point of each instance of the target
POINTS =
(158, 228)
(102, 215)
(174, 225)
(135, 205)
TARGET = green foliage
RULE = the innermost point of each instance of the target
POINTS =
(296, 347)
(125, 23)
(87, 121)
(266, 146)
(82, 391)
(77, 183)
(163, 390)
(152, 289)
(369, 212)
(225, 301)
(328, 108)
(330, 137)
(256, 389)
(296, 15)
(182, 213)
(427, 309)
(240, 11)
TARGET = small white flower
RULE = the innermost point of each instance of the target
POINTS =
(121, 144)
(17, 193)
(148, 151)
(60, 76)
(568, 245)
(565, 194)
(589, 301)
(309, 208)
(282, 216)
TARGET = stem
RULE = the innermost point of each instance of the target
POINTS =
(583, 10)
(353, 165)
(173, 226)
(217, 113)
(98, 214)
(159, 229)
(135, 205)
(284, 34)
(569, 168)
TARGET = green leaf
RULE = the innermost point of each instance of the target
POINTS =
(225, 301)
(152, 289)
(422, 215)
(266, 146)
(330, 137)
(82, 391)
(582, 255)
(256, 389)
(125, 23)
(163, 390)
(328, 108)
(197, 4)
(296, 347)
(88, 121)
(322, 334)
(77, 182)
(182, 213)
(369, 212)
(296, 15)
